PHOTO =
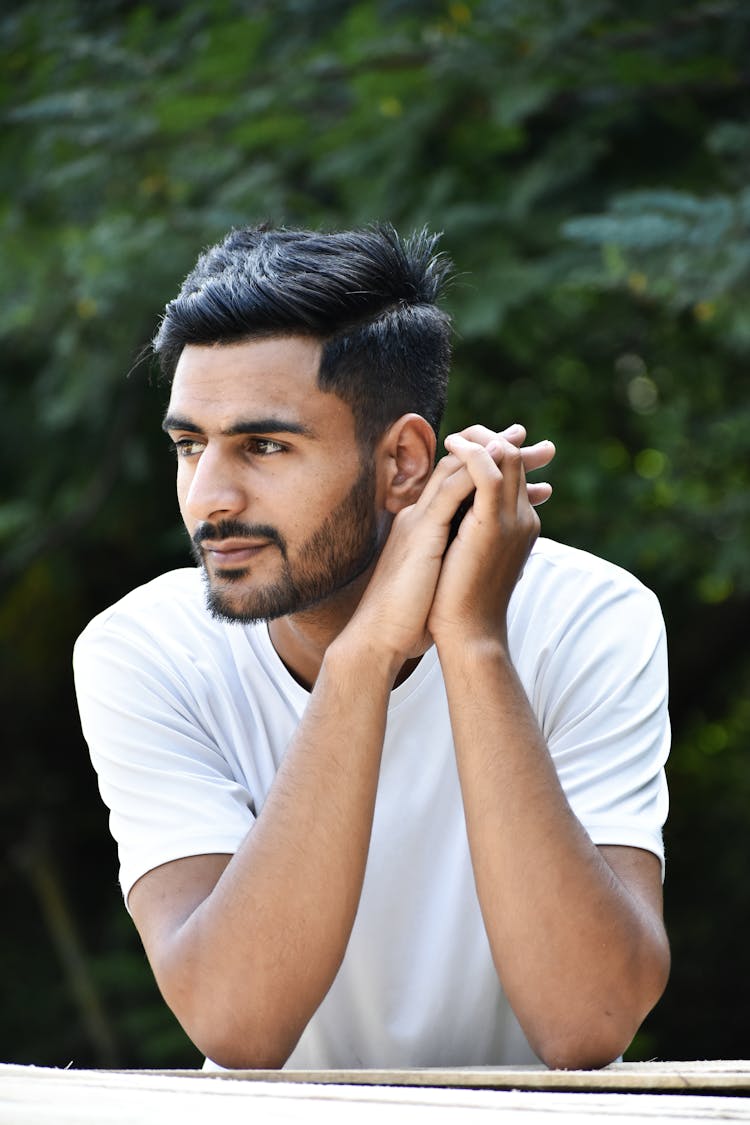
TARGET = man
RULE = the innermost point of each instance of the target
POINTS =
(383, 797)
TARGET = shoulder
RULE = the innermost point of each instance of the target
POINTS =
(162, 636)
(568, 578)
(172, 602)
(551, 562)
(164, 623)
(574, 607)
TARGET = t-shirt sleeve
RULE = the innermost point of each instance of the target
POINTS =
(601, 697)
(170, 790)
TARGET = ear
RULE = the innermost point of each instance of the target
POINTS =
(407, 458)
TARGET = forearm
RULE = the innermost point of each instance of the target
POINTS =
(250, 964)
(578, 955)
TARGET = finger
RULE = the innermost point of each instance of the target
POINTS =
(538, 455)
(499, 454)
(534, 456)
(509, 461)
(449, 485)
(480, 463)
(446, 467)
(482, 435)
(539, 492)
(500, 482)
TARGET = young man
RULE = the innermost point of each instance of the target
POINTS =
(383, 797)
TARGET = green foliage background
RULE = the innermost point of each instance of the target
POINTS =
(588, 162)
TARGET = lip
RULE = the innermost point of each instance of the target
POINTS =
(232, 551)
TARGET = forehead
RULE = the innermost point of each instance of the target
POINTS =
(215, 385)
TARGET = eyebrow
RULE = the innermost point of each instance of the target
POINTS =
(242, 426)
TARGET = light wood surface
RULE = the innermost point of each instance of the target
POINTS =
(42, 1096)
(720, 1075)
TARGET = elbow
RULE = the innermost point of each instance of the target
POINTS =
(236, 1029)
(230, 1055)
(236, 1047)
(589, 1052)
(595, 1044)
(596, 1039)
(233, 1031)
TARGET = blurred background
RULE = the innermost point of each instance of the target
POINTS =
(588, 162)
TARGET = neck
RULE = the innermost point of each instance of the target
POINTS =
(301, 639)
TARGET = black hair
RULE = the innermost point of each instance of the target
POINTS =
(368, 295)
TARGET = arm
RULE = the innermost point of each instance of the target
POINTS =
(244, 948)
(582, 953)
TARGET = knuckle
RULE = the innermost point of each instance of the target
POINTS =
(478, 433)
(404, 520)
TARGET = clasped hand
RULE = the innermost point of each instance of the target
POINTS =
(423, 588)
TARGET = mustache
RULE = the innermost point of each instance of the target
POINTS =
(236, 529)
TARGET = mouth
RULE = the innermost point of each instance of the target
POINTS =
(229, 554)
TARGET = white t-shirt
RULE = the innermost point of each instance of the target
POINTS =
(187, 719)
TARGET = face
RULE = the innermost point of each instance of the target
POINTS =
(272, 488)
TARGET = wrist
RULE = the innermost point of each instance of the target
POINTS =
(355, 655)
(459, 646)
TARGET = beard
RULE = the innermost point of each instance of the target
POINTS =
(344, 545)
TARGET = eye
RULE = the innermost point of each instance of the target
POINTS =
(264, 447)
(187, 447)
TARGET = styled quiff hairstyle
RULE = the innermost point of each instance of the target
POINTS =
(368, 295)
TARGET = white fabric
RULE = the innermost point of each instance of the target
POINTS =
(187, 720)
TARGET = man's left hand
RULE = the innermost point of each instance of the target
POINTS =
(483, 564)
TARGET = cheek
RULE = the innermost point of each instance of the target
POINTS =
(305, 509)
(311, 490)
(183, 488)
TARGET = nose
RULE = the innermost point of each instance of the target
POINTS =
(211, 488)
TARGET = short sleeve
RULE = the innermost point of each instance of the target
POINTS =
(170, 790)
(600, 692)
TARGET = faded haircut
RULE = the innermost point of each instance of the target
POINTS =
(368, 295)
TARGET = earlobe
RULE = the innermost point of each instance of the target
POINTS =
(409, 456)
